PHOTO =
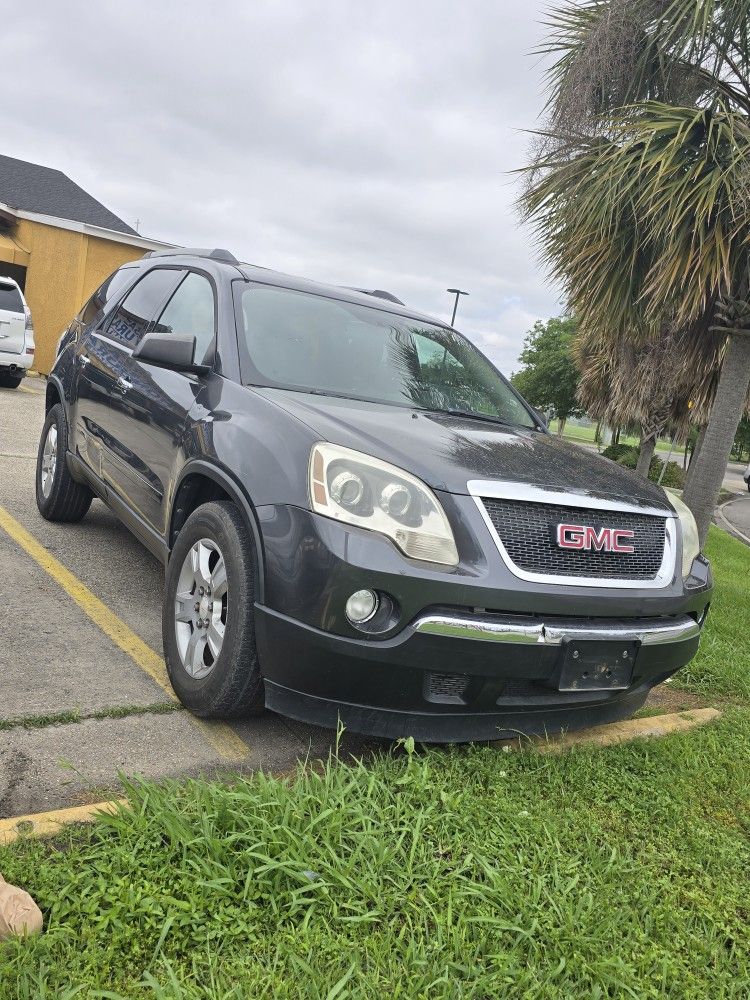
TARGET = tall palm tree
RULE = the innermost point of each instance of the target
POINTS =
(640, 186)
(655, 385)
(667, 383)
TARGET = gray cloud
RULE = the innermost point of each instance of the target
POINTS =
(357, 144)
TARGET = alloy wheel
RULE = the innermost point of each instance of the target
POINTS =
(200, 609)
(49, 461)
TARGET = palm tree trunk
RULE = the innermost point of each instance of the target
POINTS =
(708, 468)
(561, 422)
(666, 461)
(696, 452)
(648, 444)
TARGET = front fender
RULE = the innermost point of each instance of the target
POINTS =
(233, 488)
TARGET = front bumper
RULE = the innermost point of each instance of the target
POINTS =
(476, 654)
(450, 678)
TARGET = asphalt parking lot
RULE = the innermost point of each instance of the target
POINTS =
(83, 689)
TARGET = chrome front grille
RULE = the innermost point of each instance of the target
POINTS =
(528, 532)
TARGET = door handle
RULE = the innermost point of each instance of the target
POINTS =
(123, 385)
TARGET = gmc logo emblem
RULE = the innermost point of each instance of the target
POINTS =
(584, 537)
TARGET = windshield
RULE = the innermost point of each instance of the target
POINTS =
(295, 340)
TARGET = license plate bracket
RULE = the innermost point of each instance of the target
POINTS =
(597, 665)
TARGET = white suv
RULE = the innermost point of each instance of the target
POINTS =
(16, 335)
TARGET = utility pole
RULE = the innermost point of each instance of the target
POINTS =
(457, 292)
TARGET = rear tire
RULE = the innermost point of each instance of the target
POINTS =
(208, 623)
(58, 496)
(10, 381)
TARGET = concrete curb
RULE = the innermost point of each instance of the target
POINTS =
(46, 824)
(618, 732)
(731, 528)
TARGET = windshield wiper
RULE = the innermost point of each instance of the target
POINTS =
(486, 417)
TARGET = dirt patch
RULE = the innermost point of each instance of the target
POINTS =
(667, 698)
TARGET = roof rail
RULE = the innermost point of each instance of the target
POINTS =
(377, 292)
(216, 254)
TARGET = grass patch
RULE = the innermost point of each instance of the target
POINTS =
(66, 718)
(579, 432)
(454, 873)
(722, 666)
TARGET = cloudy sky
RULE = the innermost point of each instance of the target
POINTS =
(354, 143)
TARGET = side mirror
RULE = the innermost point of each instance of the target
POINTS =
(171, 350)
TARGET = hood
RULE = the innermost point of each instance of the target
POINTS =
(446, 451)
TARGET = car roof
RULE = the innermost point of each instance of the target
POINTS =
(265, 276)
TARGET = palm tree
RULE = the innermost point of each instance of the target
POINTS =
(625, 383)
(668, 383)
(640, 187)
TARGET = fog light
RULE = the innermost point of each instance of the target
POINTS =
(361, 606)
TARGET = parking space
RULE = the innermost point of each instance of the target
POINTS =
(83, 689)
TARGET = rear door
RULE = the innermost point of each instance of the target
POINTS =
(104, 411)
(12, 319)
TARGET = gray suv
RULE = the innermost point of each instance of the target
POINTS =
(360, 518)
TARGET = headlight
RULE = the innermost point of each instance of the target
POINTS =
(690, 544)
(361, 490)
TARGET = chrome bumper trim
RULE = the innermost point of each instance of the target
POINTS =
(650, 632)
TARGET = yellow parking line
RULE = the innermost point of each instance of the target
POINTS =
(31, 392)
(222, 737)
(45, 824)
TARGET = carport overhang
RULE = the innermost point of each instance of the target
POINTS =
(11, 251)
(9, 217)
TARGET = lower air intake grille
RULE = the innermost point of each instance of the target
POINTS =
(447, 688)
(529, 533)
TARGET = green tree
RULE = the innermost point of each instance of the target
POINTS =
(549, 377)
(742, 439)
(640, 187)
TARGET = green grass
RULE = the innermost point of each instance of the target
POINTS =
(722, 666)
(576, 432)
(67, 718)
(454, 873)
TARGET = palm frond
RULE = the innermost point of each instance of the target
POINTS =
(647, 221)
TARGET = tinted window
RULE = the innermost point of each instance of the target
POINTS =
(191, 311)
(10, 298)
(140, 306)
(301, 341)
(93, 310)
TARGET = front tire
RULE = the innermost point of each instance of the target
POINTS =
(58, 496)
(208, 624)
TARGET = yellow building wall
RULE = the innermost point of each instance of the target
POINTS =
(64, 269)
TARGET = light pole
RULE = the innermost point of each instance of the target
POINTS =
(457, 292)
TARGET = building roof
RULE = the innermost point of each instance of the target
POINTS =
(34, 188)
